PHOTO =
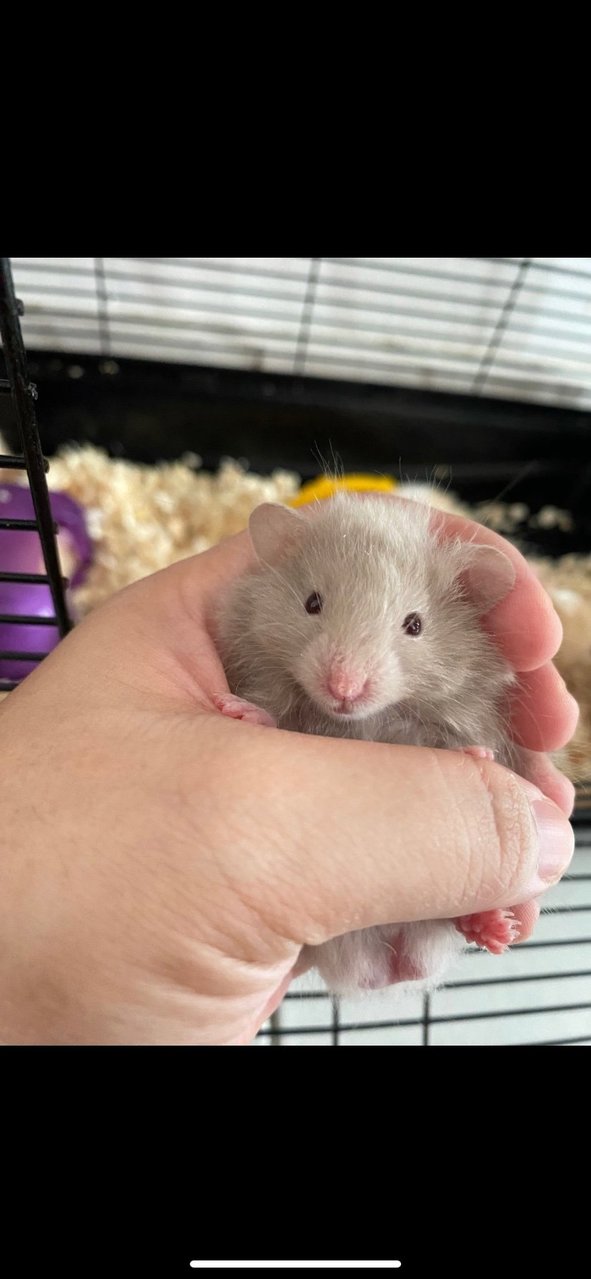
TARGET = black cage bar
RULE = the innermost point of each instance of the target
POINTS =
(24, 394)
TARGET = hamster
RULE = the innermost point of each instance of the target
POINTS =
(358, 622)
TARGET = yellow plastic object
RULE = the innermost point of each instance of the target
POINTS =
(323, 486)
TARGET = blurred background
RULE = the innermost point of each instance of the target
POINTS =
(174, 394)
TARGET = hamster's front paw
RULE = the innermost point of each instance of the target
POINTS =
(237, 708)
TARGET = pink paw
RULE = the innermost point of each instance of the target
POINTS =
(237, 708)
(493, 930)
(478, 752)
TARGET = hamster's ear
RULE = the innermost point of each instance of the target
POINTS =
(273, 529)
(488, 576)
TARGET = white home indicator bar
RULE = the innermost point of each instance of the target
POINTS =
(296, 1265)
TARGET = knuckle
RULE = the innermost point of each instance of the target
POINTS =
(509, 858)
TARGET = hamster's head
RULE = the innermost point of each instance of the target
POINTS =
(365, 608)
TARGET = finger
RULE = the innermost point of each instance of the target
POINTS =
(525, 625)
(385, 832)
(540, 770)
(189, 586)
(304, 963)
(167, 631)
(543, 713)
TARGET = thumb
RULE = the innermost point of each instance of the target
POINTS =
(367, 833)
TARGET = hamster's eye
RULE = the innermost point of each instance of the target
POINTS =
(412, 624)
(314, 603)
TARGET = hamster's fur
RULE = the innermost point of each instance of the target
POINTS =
(366, 566)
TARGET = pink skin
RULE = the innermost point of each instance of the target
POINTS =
(237, 708)
(493, 930)
(400, 968)
(346, 687)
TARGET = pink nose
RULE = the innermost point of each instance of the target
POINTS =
(345, 685)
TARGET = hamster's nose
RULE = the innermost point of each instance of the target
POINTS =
(345, 684)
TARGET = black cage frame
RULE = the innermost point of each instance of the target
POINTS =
(24, 395)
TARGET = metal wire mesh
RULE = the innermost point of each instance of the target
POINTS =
(538, 994)
(509, 327)
(24, 395)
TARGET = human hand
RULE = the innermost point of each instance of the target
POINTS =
(162, 866)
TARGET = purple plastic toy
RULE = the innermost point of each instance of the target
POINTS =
(20, 552)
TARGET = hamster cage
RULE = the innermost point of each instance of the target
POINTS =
(473, 372)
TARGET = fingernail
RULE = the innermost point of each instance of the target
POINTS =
(557, 840)
(556, 846)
